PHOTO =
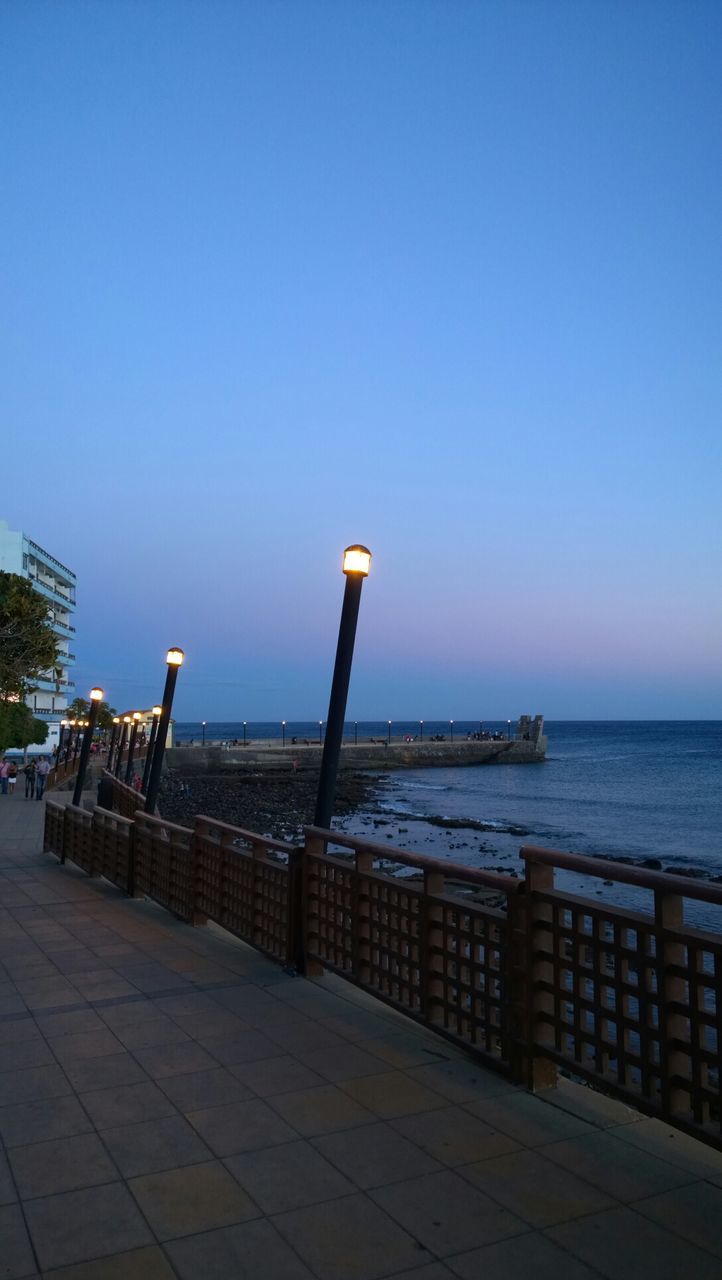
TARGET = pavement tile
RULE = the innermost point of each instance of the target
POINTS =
(251, 1251)
(623, 1171)
(376, 1156)
(445, 1213)
(7, 1190)
(350, 1239)
(392, 1094)
(211, 1022)
(24, 1053)
(694, 1212)
(33, 1083)
(402, 1050)
(677, 1148)
(531, 1255)
(320, 1110)
(536, 1190)
(247, 1046)
(154, 1146)
(64, 1024)
(622, 1245)
(524, 1117)
(80, 1225)
(140, 1264)
(589, 1105)
(104, 1073)
(37, 1121)
(461, 1080)
(241, 1126)
(174, 1059)
(453, 1136)
(342, 1062)
(199, 1090)
(276, 1075)
(126, 1104)
(17, 1255)
(288, 1177)
(62, 1164)
(144, 1035)
(88, 1044)
(184, 1201)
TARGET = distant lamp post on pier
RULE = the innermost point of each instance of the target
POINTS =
(389, 738)
(356, 565)
(451, 729)
(355, 733)
(421, 727)
(203, 730)
(96, 697)
(320, 734)
(121, 745)
(244, 733)
(283, 732)
(508, 729)
(174, 661)
(149, 750)
(137, 717)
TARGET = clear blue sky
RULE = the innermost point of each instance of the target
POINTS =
(444, 278)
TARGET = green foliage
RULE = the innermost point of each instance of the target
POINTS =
(79, 709)
(28, 645)
(19, 727)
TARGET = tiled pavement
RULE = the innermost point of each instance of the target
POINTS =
(172, 1104)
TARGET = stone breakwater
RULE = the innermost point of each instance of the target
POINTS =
(301, 756)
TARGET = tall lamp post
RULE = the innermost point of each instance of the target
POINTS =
(508, 730)
(451, 729)
(389, 738)
(131, 746)
(283, 733)
(80, 725)
(149, 752)
(113, 740)
(203, 726)
(244, 733)
(421, 726)
(96, 697)
(320, 732)
(356, 564)
(174, 660)
(127, 721)
(69, 740)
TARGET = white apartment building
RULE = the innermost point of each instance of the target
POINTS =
(19, 554)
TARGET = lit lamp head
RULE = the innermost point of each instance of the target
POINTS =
(137, 715)
(127, 719)
(116, 719)
(157, 711)
(357, 561)
(96, 695)
(174, 657)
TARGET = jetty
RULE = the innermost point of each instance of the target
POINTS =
(527, 745)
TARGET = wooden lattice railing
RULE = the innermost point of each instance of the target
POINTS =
(525, 974)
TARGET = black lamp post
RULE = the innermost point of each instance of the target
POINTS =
(121, 745)
(508, 730)
(68, 740)
(356, 563)
(149, 752)
(174, 660)
(113, 740)
(320, 733)
(203, 726)
(389, 733)
(421, 726)
(451, 729)
(80, 726)
(244, 733)
(355, 733)
(131, 747)
(96, 697)
(283, 733)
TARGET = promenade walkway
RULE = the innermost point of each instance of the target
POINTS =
(172, 1104)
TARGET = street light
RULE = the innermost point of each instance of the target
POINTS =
(244, 733)
(389, 733)
(421, 726)
(96, 697)
(320, 735)
(203, 726)
(508, 729)
(355, 733)
(356, 564)
(131, 748)
(451, 729)
(283, 733)
(127, 722)
(69, 740)
(174, 660)
(113, 740)
(151, 744)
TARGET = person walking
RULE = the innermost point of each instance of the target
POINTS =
(30, 771)
(4, 771)
(41, 777)
(12, 777)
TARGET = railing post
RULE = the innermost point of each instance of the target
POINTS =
(314, 846)
(431, 946)
(66, 825)
(672, 990)
(541, 1072)
(360, 927)
(295, 956)
(198, 917)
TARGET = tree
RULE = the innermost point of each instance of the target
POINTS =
(28, 644)
(19, 727)
(79, 709)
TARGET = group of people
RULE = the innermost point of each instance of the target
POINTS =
(36, 775)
